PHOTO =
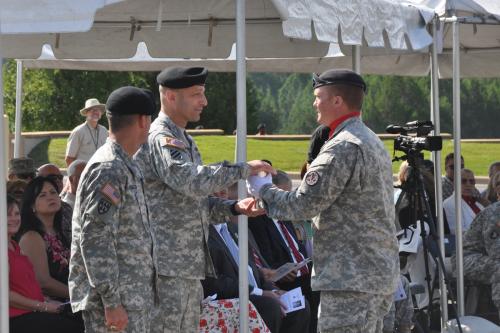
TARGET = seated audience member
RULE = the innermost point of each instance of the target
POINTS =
(16, 188)
(470, 205)
(53, 172)
(223, 315)
(404, 214)
(481, 250)
(42, 239)
(279, 244)
(21, 168)
(223, 249)
(253, 248)
(449, 167)
(492, 192)
(28, 310)
(75, 170)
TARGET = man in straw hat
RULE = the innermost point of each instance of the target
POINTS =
(86, 138)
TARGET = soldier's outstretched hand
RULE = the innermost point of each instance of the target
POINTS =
(258, 166)
(249, 207)
(116, 318)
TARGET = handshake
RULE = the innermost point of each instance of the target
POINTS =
(261, 175)
(255, 183)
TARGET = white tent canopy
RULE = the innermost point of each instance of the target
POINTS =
(480, 45)
(206, 29)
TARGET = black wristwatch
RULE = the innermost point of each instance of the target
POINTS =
(233, 209)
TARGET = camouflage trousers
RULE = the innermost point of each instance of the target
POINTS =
(138, 322)
(400, 316)
(352, 312)
(180, 304)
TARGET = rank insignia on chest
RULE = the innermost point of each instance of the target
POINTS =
(173, 143)
(312, 178)
(111, 193)
(103, 206)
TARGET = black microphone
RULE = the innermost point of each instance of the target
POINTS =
(394, 129)
(418, 123)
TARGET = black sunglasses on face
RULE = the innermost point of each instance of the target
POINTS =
(58, 177)
(452, 166)
(25, 175)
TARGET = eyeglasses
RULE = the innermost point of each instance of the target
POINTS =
(25, 176)
(452, 166)
(471, 181)
(56, 177)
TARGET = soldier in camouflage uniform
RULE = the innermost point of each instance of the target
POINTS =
(348, 190)
(178, 188)
(482, 250)
(111, 268)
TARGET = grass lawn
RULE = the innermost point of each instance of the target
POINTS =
(285, 154)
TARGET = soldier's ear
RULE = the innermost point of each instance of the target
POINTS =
(171, 95)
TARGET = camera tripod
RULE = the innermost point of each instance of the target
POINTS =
(419, 211)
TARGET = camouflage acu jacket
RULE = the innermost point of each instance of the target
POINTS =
(112, 245)
(178, 191)
(348, 190)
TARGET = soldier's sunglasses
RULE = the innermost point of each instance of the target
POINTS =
(25, 175)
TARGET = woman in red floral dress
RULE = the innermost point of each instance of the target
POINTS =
(41, 237)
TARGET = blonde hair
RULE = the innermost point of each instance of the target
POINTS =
(403, 172)
(490, 193)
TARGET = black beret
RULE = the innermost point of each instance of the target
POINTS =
(339, 76)
(182, 77)
(131, 100)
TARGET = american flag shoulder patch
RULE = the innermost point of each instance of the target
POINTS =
(173, 143)
(111, 193)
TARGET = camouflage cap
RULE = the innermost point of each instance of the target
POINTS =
(21, 165)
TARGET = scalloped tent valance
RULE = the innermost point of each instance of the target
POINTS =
(357, 22)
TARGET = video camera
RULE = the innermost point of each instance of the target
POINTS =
(421, 141)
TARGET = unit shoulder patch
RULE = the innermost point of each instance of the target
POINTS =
(312, 178)
(103, 206)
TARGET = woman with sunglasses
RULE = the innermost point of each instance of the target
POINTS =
(41, 237)
(470, 203)
(28, 309)
(492, 193)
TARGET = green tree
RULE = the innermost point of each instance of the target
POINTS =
(302, 117)
(267, 112)
(221, 110)
(52, 98)
(288, 94)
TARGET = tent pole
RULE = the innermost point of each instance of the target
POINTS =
(19, 116)
(4, 261)
(356, 58)
(436, 156)
(241, 156)
(457, 171)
